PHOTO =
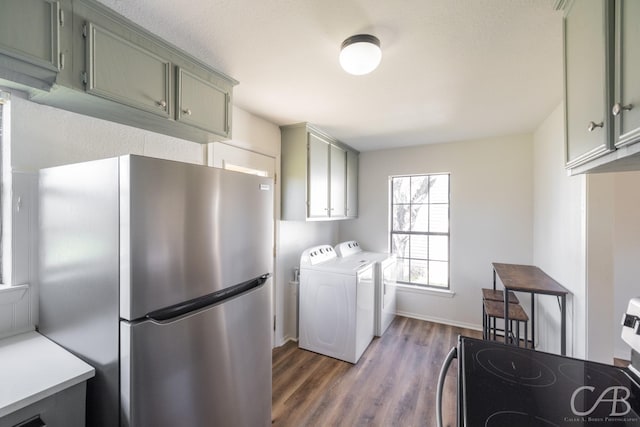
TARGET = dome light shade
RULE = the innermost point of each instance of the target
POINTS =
(360, 54)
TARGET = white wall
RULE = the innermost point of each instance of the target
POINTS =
(45, 136)
(491, 216)
(613, 251)
(626, 252)
(295, 237)
(600, 219)
(559, 236)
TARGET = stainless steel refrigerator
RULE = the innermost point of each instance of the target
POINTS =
(157, 273)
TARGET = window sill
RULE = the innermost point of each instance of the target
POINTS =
(445, 293)
(12, 294)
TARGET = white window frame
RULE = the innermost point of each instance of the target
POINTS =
(392, 232)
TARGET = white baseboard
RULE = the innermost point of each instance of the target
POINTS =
(440, 320)
(285, 340)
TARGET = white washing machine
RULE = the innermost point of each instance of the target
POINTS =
(336, 304)
(384, 277)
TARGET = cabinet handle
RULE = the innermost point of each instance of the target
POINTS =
(593, 125)
(162, 104)
(186, 112)
(618, 108)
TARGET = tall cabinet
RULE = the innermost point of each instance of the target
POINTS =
(319, 175)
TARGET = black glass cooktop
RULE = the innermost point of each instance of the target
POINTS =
(506, 386)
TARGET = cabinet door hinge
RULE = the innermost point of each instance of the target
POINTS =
(84, 31)
(61, 17)
(84, 77)
(61, 61)
(275, 179)
(274, 323)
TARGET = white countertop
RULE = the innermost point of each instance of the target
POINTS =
(32, 368)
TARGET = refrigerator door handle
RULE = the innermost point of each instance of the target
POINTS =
(177, 310)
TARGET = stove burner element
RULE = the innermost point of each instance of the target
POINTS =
(513, 418)
(583, 374)
(515, 367)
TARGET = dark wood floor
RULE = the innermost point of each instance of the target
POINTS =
(393, 384)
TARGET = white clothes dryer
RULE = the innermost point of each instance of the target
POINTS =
(336, 304)
(384, 277)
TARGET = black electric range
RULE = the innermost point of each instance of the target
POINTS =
(506, 386)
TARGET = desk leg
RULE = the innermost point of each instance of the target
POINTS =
(533, 321)
(563, 327)
(507, 329)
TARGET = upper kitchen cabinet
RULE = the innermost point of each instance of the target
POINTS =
(626, 100)
(602, 91)
(586, 38)
(338, 181)
(317, 175)
(318, 179)
(81, 56)
(30, 53)
(126, 72)
(203, 104)
(352, 183)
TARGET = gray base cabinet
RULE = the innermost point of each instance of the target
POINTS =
(602, 91)
(319, 175)
(63, 409)
(83, 57)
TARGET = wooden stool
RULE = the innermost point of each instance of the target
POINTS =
(493, 295)
(493, 310)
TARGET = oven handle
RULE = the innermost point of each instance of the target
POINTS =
(453, 354)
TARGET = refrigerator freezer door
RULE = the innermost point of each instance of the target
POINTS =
(188, 231)
(210, 368)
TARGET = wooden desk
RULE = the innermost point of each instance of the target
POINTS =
(530, 279)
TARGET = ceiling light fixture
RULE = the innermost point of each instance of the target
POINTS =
(360, 54)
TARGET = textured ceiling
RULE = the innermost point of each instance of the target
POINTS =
(451, 69)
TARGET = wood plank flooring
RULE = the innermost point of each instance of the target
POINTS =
(393, 384)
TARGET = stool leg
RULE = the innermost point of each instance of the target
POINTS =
(518, 333)
(484, 323)
(526, 335)
(511, 331)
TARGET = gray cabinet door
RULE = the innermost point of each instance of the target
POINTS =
(29, 31)
(318, 177)
(586, 38)
(338, 188)
(122, 71)
(202, 104)
(352, 184)
(626, 101)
